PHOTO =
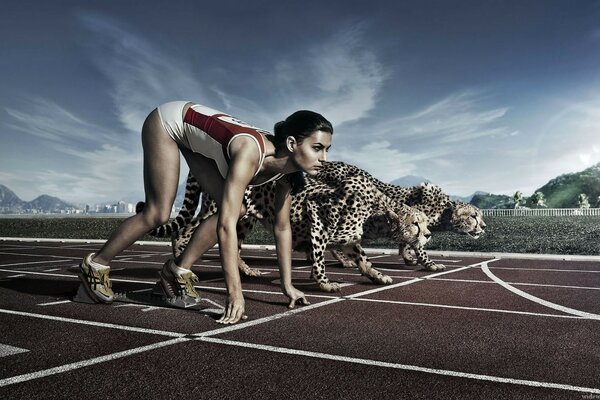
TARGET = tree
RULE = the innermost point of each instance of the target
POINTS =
(583, 201)
(518, 198)
(538, 200)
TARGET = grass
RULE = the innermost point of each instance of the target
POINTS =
(539, 235)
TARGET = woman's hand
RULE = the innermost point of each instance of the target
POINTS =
(234, 310)
(295, 295)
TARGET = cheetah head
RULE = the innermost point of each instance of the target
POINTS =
(468, 219)
(412, 227)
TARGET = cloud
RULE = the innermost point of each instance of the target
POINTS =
(340, 77)
(110, 174)
(444, 134)
(456, 118)
(142, 74)
(49, 121)
(381, 160)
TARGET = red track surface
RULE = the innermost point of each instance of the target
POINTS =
(485, 328)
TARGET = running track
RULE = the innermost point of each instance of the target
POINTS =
(490, 326)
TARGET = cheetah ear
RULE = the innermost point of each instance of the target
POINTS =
(290, 143)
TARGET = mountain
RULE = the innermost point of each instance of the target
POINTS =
(563, 191)
(409, 180)
(47, 203)
(11, 203)
(8, 198)
(467, 199)
(488, 200)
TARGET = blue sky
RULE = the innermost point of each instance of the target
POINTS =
(496, 96)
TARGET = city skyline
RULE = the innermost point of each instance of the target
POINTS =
(472, 95)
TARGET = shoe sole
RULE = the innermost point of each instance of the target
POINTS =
(90, 292)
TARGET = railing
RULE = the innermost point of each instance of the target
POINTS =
(544, 212)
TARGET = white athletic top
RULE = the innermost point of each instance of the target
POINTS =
(210, 132)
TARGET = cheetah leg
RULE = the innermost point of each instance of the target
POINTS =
(405, 252)
(338, 255)
(424, 260)
(319, 239)
(365, 267)
(318, 271)
(244, 226)
(245, 269)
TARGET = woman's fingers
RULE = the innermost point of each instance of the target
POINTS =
(302, 300)
(233, 314)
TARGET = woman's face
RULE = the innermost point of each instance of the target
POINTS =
(313, 149)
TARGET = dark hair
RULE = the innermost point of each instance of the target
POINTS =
(300, 125)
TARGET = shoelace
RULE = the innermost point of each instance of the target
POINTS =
(104, 280)
(186, 284)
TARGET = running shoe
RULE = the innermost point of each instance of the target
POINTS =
(178, 283)
(95, 280)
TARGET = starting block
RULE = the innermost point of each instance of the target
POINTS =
(151, 297)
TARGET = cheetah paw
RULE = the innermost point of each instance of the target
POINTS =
(247, 271)
(380, 278)
(436, 267)
(330, 287)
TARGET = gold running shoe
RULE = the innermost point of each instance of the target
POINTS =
(95, 279)
(178, 284)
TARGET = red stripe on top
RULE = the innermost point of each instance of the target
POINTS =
(221, 131)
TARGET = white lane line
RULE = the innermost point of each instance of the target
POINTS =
(92, 323)
(54, 303)
(16, 276)
(410, 282)
(87, 363)
(518, 283)
(404, 367)
(270, 318)
(33, 262)
(35, 255)
(547, 270)
(334, 300)
(494, 310)
(220, 289)
(6, 350)
(545, 303)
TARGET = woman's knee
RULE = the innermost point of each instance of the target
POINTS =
(155, 216)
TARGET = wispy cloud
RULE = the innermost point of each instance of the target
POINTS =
(49, 121)
(433, 138)
(142, 74)
(382, 160)
(340, 77)
(458, 117)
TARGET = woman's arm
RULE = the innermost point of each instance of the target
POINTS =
(243, 164)
(282, 230)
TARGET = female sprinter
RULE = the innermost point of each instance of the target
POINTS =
(226, 156)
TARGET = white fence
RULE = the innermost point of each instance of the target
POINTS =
(544, 212)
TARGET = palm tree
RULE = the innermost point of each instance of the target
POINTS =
(518, 198)
(583, 201)
(538, 200)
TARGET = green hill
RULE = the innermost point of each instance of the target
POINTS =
(488, 200)
(563, 191)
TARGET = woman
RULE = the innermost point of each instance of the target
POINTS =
(226, 156)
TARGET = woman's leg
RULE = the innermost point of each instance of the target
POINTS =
(161, 176)
(205, 237)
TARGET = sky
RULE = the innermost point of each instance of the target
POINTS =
(493, 96)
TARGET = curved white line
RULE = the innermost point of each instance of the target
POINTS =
(545, 303)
